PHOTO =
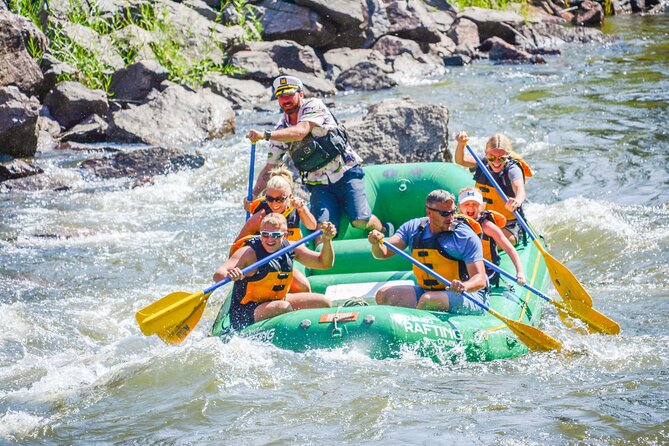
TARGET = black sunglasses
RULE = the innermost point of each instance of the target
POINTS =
(271, 199)
(443, 213)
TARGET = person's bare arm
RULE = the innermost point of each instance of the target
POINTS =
(252, 225)
(306, 217)
(232, 267)
(379, 250)
(519, 192)
(463, 157)
(319, 260)
(477, 278)
(295, 132)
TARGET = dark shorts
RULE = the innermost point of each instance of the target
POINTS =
(242, 315)
(514, 228)
(458, 303)
(327, 200)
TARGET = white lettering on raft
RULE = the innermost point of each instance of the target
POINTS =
(426, 329)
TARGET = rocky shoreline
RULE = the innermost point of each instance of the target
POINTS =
(333, 46)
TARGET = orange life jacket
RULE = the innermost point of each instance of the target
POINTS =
(432, 254)
(493, 200)
(270, 281)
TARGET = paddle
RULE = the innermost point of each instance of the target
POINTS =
(564, 280)
(595, 320)
(249, 195)
(534, 338)
(174, 316)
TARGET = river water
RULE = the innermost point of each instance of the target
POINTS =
(76, 265)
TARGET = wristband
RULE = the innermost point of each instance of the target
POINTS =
(268, 135)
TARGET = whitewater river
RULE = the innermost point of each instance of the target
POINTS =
(76, 265)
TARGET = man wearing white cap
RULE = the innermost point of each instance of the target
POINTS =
(449, 246)
(470, 203)
(310, 134)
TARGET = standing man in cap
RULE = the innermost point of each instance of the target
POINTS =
(310, 134)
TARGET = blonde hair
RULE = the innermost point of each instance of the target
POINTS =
(275, 219)
(500, 142)
(281, 178)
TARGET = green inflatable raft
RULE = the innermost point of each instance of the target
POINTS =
(397, 193)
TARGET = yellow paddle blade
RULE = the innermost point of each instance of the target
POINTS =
(176, 335)
(170, 312)
(564, 280)
(595, 321)
(531, 336)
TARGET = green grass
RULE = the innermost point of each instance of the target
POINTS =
(169, 48)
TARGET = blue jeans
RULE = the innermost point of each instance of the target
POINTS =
(327, 200)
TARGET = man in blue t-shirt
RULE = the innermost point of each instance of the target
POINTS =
(449, 246)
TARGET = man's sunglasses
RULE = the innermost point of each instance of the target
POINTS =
(443, 213)
(273, 234)
(502, 158)
(271, 199)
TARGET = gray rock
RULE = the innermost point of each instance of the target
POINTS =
(92, 129)
(391, 46)
(241, 93)
(366, 75)
(465, 34)
(11, 170)
(401, 131)
(71, 102)
(341, 59)
(142, 163)
(17, 67)
(18, 122)
(493, 23)
(135, 82)
(345, 13)
(502, 51)
(410, 20)
(175, 117)
(132, 36)
(99, 45)
(283, 20)
(408, 70)
(288, 55)
(255, 65)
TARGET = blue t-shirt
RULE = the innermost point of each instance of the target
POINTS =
(462, 244)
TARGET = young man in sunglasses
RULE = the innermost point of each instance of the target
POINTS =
(449, 246)
(318, 145)
(264, 293)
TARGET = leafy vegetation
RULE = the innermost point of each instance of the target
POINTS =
(169, 47)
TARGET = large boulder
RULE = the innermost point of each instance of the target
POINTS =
(589, 13)
(13, 169)
(494, 23)
(142, 163)
(366, 75)
(18, 122)
(17, 67)
(71, 102)
(242, 93)
(410, 20)
(134, 82)
(287, 55)
(348, 17)
(175, 117)
(341, 59)
(283, 20)
(401, 131)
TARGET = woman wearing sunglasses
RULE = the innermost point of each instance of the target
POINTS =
(508, 169)
(264, 293)
(279, 198)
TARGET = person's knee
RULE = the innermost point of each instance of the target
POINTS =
(360, 224)
(383, 295)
